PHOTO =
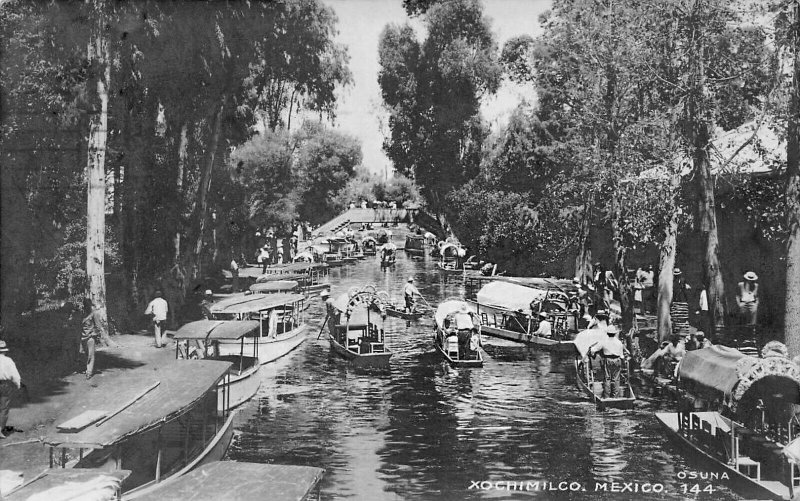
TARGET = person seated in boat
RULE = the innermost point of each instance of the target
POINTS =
(671, 355)
(545, 328)
(409, 293)
(614, 353)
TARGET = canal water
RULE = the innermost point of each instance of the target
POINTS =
(516, 428)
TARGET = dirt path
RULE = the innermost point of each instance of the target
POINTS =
(49, 398)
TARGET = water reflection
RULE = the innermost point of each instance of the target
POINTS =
(423, 430)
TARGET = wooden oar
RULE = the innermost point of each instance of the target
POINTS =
(129, 403)
(323, 326)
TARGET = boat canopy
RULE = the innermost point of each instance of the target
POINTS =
(510, 296)
(217, 329)
(415, 237)
(389, 246)
(275, 286)
(452, 250)
(585, 339)
(71, 483)
(234, 480)
(361, 299)
(281, 276)
(368, 238)
(247, 303)
(448, 307)
(559, 284)
(182, 384)
(733, 373)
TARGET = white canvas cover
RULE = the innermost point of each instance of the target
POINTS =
(585, 339)
(448, 307)
(509, 296)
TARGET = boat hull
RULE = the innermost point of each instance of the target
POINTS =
(239, 389)
(214, 451)
(404, 315)
(459, 363)
(270, 349)
(544, 342)
(449, 270)
(604, 403)
(744, 485)
(360, 359)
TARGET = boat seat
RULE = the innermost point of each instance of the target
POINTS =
(747, 466)
(451, 347)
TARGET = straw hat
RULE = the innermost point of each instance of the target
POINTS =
(601, 313)
(612, 330)
(208, 292)
(3, 347)
(543, 314)
(410, 279)
(750, 276)
(677, 271)
(325, 293)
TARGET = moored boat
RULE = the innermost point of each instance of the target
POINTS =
(512, 311)
(356, 333)
(415, 244)
(396, 312)
(451, 257)
(745, 425)
(589, 372)
(369, 246)
(159, 427)
(458, 334)
(281, 322)
(241, 481)
(201, 339)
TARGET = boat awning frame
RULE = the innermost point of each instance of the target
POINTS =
(214, 330)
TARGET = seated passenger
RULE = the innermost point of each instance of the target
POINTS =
(545, 328)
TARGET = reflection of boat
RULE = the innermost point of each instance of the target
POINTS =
(458, 334)
(242, 381)
(282, 326)
(354, 330)
(586, 367)
(415, 244)
(509, 311)
(159, 425)
(242, 481)
(754, 428)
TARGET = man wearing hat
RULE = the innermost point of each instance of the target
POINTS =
(545, 328)
(599, 321)
(747, 298)
(10, 382)
(158, 309)
(409, 291)
(263, 258)
(613, 352)
(205, 304)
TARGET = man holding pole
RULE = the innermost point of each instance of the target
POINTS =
(409, 291)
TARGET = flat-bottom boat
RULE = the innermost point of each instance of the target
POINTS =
(714, 440)
(585, 367)
(354, 330)
(405, 315)
(457, 335)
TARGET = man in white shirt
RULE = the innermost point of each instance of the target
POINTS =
(10, 382)
(545, 327)
(158, 308)
(613, 352)
(409, 291)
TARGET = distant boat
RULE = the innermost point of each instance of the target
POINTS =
(356, 333)
(281, 320)
(458, 334)
(415, 244)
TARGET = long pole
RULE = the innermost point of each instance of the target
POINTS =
(323, 326)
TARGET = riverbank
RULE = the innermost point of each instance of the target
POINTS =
(54, 391)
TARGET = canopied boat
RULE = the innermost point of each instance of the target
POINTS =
(229, 480)
(458, 334)
(275, 287)
(415, 244)
(451, 257)
(281, 322)
(752, 426)
(201, 339)
(159, 425)
(369, 245)
(388, 254)
(511, 311)
(356, 331)
(314, 275)
(589, 372)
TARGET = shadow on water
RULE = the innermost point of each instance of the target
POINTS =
(423, 430)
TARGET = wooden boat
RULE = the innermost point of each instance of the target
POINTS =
(451, 257)
(397, 312)
(160, 425)
(281, 322)
(201, 339)
(275, 287)
(586, 368)
(231, 480)
(369, 246)
(739, 424)
(415, 244)
(511, 311)
(71, 483)
(388, 254)
(458, 334)
(355, 332)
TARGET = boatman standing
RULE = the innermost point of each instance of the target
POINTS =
(409, 291)
(9, 383)
(158, 310)
(613, 352)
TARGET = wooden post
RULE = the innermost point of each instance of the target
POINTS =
(158, 457)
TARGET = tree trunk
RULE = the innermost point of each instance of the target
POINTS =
(183, 142)
(97, 86)
(666, 263)
(708, 226)
(203, 189)
(792, 306)
(620, 253)
(583, 261)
